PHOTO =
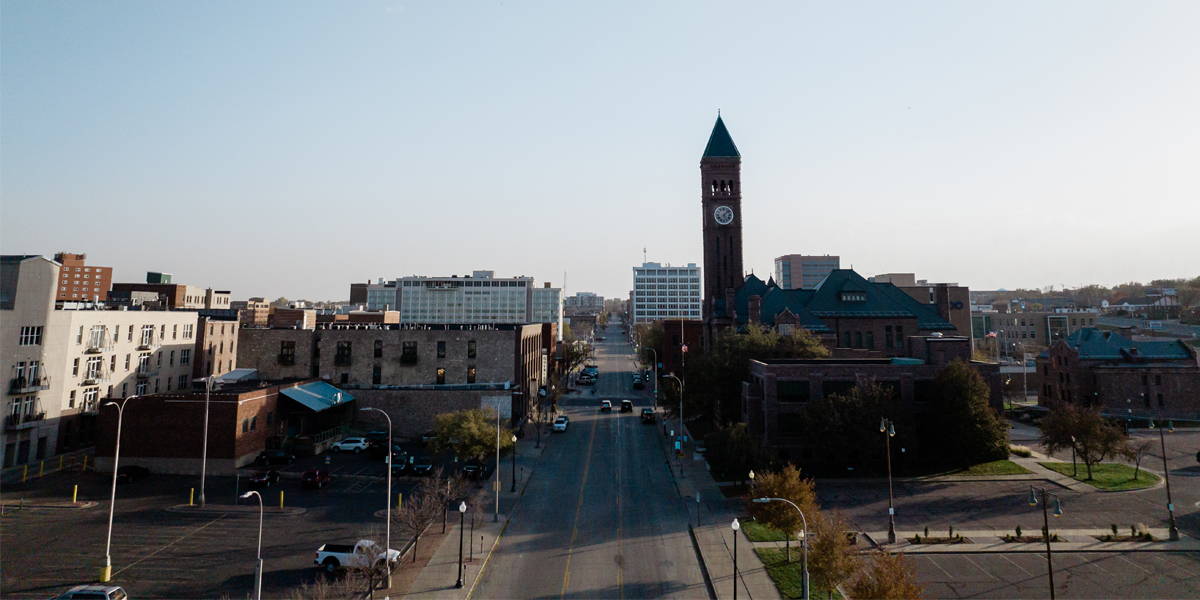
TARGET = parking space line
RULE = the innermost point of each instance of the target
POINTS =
(1014, 563)
(940, 568)
(1177, 568)
(1134, 564)
(131, 565)
(985, 571)
(1095, 563)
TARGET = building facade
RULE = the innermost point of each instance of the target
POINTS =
(178, 296)
(546, 304)
(803, 272)
(255, 312)
(79, 282)
(478, 298)
(1028, 331)
(662, 292)
(721, 213)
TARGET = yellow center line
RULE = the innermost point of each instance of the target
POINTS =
(579, 505)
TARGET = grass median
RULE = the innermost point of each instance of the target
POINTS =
(757, 532)
(1106, 476)
(789, 576)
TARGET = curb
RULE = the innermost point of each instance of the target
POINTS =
(238, 510)
(712, 589)
(9, 505)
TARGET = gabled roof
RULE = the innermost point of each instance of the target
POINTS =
(720, 144)
(1094, 344)
(317, 395)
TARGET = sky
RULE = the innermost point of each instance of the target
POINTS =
(292, 148)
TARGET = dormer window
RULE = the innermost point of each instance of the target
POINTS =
(854, 296)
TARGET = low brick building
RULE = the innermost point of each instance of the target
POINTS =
(776, 397)
(1123, 377)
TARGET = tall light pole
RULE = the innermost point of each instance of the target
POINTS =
(106, 570)
(803, 540)
(387, 453)
(208, 386)
(462, 516)
(1173, 532)
(736, 527)
(514, 469)
(1033, 501)
(258, 573)
(680, 438)
(888, 428)
(654, 367)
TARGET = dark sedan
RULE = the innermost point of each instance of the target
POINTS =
(264, 478)
(276, 457)
(131, 473)
(315, 478)
(422, 466)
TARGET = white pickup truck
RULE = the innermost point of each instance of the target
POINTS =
(365, 554)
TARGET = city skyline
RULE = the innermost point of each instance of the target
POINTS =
(293, 149)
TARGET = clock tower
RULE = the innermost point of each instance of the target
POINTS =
(721, 203)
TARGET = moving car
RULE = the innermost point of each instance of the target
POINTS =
(315, 478)
(626, 406)
(131, 473)
(605, 406)
(94, 592)
(422, 466)
(638, 384)
(276, 457)
(648, 415)
(560, 424)
(363, 555)
(264, 478)
(356, 444)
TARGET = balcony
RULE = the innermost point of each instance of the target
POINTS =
(146, 372)
(98, 348)
(95, 377)
(91, 409)
(27, 421)
(21, 385)
(148, 345)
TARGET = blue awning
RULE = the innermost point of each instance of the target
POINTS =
(317, 395)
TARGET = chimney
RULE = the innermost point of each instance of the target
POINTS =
(755, 309)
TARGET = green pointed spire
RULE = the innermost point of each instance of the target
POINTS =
(720, 145)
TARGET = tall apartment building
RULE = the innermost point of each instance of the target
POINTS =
(79, 282)
(802, 272)
(65, 358)
(255, 312)
(661, 292)
(478, 298)
(178, 296)
(547, 304)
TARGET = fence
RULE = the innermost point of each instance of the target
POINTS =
(78, 460)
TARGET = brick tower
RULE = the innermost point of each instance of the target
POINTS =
(721, 202)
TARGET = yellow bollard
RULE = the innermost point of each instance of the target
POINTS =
(399, 501)
(280, 498)
(85, 462)
(60, 462)
(25, 474)
(192, 498)
(75, 494)
(41, 468)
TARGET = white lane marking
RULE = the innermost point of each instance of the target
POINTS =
(1134, 564)
(1014, 563)
(131, 565)
(940, 568)
(985, 571)
(1176, 567)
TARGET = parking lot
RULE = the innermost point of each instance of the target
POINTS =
(157, 552)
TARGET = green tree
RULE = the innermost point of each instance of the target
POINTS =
(1068, 426)
(888, 577)
(732, 453)
(831, 558)
(785, 483)
(966, 427)
(470, 433)
(848, 424)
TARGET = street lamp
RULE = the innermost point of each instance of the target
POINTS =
(803, 540)
(258, 575)
(654, 367)
(1174, 533)
(514, 469)
(736, 527)
(462, 516)
(680, 451)
(106, 570)
(888, 428)
(208, 386)
(1033, 501)
(388, 499)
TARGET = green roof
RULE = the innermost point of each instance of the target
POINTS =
(720, 145)
(317, 395)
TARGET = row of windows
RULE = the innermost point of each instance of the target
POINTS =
(667, 313)
(464, 283)
(650, 272)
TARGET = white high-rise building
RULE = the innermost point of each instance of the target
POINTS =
(547, 304)
(478, 298)
(665, 292)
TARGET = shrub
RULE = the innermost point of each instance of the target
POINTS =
(1018, 531)
(1114, 528)
(926, 531)
(1022, 451)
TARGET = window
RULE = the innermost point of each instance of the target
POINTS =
(287, 352)
(187, 331)
(31, 336)
(168, 384)
(140, 388)
(1158, 380)
(471, 349)
(858, 339)
(345, 378)
(112, 363)
(441, 375)
(70, 400)
(854, 296)
(158, 360)
(185, 357)
(376, 375)
(253, 423)
(124, 389)
(887, 336)
(174, 331)
(378, 348)
(408, 353)
(95, 367)
(182, 381)
(270, 418)
(846, 340)
(245, 425)
(127, 362)
(441, 349)
(471, 374)
(75, 368)
(836, 388)
(792, 391)
(342, 357)
(147, 335)
(1160, 400)
(171, 359)
(870, 341)
(79, 336)
(899, 336)
(156, 386)
(129, 336)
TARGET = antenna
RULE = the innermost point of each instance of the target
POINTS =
(643, 254)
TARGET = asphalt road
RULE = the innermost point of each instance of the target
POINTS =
(601, 517)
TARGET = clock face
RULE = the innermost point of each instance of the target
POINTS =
(723, 215)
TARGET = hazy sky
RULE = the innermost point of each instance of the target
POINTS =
(291, 148)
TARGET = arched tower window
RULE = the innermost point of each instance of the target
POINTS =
(714, 186)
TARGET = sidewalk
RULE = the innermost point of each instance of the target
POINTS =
(437, 580)
(988, 541)
(713, 534)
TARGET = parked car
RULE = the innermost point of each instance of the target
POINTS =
(561, 423)
(276, 457)
(605, 406)
(648, 415)
(264, 478)
(356, 444)
(315, 478)
(422, 466)
(380, 450)
(94, 592)
(638, 384)
(362, 555)
(474, 469)
(584, 380)
(131, 473)
(627, 406)
(428, 436)
(377, 438)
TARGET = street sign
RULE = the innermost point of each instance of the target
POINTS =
(677, 444)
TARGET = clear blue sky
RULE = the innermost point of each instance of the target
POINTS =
(290, 148)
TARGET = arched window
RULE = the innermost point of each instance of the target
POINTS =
(858, 339)
(714, 186)
(870, 341)
(846, 340)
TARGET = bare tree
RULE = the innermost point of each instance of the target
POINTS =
(1139, 451)
(416, 514)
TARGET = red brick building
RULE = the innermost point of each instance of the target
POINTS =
(79, 282)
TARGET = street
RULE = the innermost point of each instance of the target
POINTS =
(601, 517)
